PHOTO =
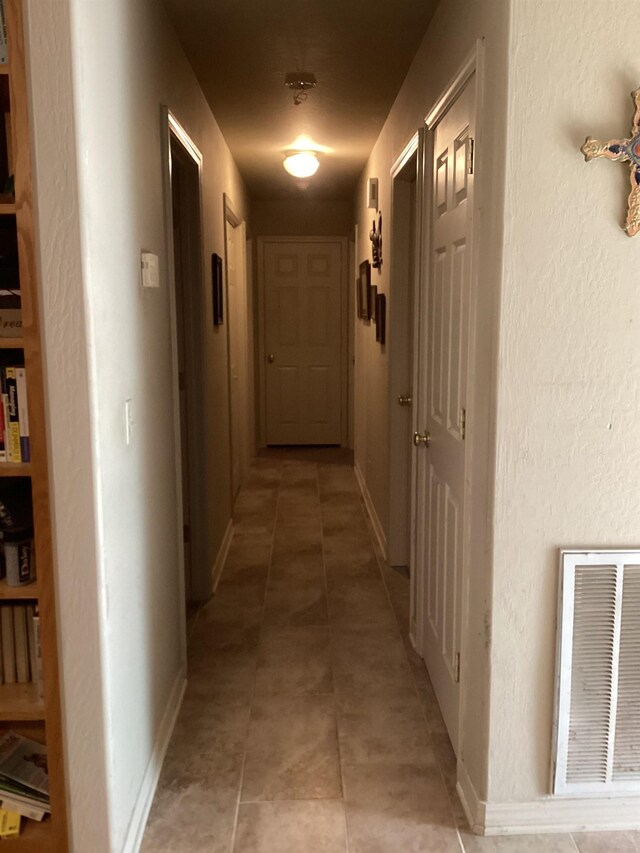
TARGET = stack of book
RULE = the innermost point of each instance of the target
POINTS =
(20, 661)
(24, 777)
(14, 416)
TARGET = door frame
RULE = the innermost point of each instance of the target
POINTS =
(233, 220)
(399, 452)
(172, 130)
(344, 333)
(473, 64)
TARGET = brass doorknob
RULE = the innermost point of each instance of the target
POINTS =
(271, 358)
(423, 439)
(404, 400)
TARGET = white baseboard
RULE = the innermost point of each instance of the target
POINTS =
(371, 510)
(550, 814)
(147, 790)
(218, 566)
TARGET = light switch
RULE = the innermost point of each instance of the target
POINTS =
(150, 269)
(128, 421)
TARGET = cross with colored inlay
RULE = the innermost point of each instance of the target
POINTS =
(627, 150)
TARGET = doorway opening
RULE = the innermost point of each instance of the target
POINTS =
(406, 206)
(183, 193)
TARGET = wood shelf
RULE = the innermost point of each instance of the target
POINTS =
(7, 208)
(20, 702)
(11, 343)
(4, 68)
(13, 593)
(35, 837)
(15, 469)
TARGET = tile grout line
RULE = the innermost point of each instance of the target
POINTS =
(379, 558)
(232, 843)
(335, 696)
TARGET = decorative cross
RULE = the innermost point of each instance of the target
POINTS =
(627, 150)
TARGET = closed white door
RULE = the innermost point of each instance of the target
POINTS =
(303, 341)
(443, 375)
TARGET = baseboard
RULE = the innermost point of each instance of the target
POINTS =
(551, 814)
(471, 802)
(221, 559)
(147, 790)
(371, 510)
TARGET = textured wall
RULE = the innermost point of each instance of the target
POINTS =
(303, 217)
(568, 459)
(116, 532)
(450, 38)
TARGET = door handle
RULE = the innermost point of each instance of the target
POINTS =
(271, 358)
(423, 439)
(404, 400)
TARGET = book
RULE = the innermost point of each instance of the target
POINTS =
(25, 809)
(23, 414)
(3, 452)
(20, 640)
(31, 644)
(12, 430)
(4, 44)
(8, 645)
(37, 674)
(23, 764)
(9, 823)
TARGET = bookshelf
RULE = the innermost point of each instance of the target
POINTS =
(21, 708)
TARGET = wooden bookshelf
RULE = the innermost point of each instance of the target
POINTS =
(15, 469)
(28, 592)
(20, 702)
(21, 710)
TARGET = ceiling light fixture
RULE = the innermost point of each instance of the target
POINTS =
(301, 164)
(300, 83)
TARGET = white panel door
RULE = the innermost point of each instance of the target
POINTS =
(303, 333)
(444, 326)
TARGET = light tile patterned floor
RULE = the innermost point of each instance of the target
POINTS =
(309, 725)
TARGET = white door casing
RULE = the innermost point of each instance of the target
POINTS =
(442, 386)
(303, 351)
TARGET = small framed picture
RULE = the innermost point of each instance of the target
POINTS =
(381, 318)
(364, 286)
(373, 295)
(216, 279)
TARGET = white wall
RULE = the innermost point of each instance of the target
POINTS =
(450, 37)
(568, 446)
(108, 341)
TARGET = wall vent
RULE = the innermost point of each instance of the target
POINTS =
(597, 716)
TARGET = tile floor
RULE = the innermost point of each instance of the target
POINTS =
(309, 725)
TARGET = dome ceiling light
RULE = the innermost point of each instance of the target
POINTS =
(301, 164)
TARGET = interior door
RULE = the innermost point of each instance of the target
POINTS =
(236, 345)
(441, 416)
(303, 341)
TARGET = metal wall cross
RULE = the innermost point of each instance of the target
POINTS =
(627, 150)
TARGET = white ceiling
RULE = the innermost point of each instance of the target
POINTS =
(359, 50)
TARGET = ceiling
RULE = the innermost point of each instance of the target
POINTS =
(359, 51)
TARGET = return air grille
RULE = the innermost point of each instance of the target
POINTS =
(597, 725)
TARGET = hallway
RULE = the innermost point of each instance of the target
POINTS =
(309, 724)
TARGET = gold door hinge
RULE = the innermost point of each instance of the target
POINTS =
(462, 424)
(456, 668)
(470, 155)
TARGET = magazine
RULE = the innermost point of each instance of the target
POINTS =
(24, 762)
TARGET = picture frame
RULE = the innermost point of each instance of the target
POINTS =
(381, 318)
(216, 284)
(373, 295)
(364, 286)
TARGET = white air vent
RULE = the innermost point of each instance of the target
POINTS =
(597, 723)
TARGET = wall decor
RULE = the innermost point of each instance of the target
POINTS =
(216, 281)
(372, 193)
(373, 295)
(381, 318)
(376, 244)
(364, 285)
(627, 151)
